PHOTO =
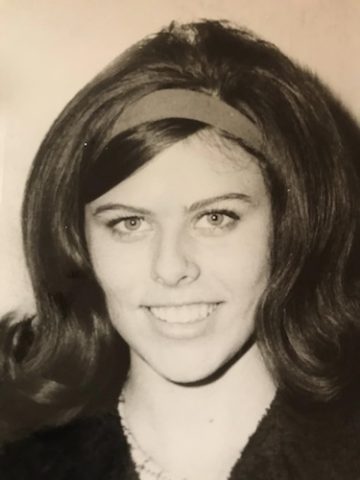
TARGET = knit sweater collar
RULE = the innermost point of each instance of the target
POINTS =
(291, 442)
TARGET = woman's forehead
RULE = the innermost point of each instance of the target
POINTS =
(197, 167)
(223, 150)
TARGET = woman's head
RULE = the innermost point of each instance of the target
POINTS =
(306, 162)
(181, 250)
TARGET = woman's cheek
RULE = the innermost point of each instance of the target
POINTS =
(124, 267)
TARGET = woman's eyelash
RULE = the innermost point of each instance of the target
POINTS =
(221, 211)
(213, 211)
(115, 221)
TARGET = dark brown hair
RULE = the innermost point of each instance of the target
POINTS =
(69, 360)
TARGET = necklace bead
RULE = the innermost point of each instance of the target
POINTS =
(145, 465)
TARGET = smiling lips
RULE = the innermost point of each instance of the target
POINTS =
(183, 314)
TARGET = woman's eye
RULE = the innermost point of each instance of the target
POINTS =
(132, 223)
(217, 220)
(129, 225)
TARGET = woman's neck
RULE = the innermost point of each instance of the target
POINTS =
(246, 382)
(171, 421)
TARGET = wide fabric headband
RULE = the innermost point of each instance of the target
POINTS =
(192, 105)
(108, 170)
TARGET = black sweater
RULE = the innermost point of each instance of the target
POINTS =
(290, 443)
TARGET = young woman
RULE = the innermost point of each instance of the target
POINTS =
(191, 227)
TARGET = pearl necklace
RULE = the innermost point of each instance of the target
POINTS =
(145, 465)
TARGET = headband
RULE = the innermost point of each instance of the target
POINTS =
(189, 104)
(167, 104)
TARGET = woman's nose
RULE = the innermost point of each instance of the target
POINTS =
(173, 262)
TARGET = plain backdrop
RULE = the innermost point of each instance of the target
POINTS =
(50, 48)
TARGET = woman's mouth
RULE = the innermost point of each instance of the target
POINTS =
(183, 314)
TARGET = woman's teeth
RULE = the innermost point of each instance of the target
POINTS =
(183, 313)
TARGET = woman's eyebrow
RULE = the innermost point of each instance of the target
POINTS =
(193, 207)
(120, 206)
(228, 196)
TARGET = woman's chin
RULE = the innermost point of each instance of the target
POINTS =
(193, 371)
(190, 378)
(188, 363)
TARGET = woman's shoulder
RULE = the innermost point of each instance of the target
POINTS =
(296, 440)
(301, 441)
(87, 448)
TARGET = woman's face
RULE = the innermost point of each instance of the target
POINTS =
(181, 250)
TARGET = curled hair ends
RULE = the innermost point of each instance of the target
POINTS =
(310, 162)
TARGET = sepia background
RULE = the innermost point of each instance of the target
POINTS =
(49, 49)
